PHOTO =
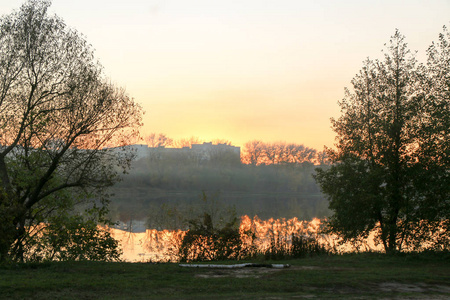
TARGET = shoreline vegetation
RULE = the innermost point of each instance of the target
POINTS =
(349, 276)
(246, 238)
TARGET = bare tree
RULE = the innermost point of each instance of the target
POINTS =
(273, 152)
(222, 142)
(187, 142)
(156, 140)
(254, 152)
(258, 153)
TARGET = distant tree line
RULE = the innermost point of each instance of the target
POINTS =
(254, 152)
(261, 153)
(156, 140)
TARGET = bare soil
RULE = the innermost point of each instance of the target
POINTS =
(417, 290)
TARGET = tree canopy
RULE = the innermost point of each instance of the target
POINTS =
(391, 163)
(57, 115)
(261, 153)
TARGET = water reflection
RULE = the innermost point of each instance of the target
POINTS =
(160, 246)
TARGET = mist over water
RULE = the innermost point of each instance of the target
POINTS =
(167, 187)
(164, 187)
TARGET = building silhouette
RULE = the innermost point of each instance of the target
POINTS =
(201, 153)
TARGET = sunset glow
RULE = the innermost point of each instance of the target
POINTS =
(160, 246)
(244, 70)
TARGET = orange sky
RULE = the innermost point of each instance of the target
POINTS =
(241, 70)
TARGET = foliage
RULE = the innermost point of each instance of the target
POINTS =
(204, 242)
(276, 239)
(216, 234)
(212, 235)
(298, 247)
(57, 115)
(392, 156)
(72, 235)
(307, 246)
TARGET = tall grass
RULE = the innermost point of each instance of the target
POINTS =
(204, 242)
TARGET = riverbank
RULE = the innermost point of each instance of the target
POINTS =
(351, 276)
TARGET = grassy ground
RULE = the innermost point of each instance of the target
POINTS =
(362, 276)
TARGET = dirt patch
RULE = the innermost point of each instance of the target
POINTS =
(237, 273)
(397, 287)
(401, 287)
(397, 290)
(251, 272)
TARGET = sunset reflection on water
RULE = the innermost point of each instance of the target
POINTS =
(161, 245)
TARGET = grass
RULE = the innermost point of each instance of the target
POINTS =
(357, 276)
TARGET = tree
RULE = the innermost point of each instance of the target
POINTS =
(57, 114)
(155, 140)
(68, 236)
(222, 141)
(187, 142)
(254, 151)
(260, 153)
(391, 162)
(212, 235)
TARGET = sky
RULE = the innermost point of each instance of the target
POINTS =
(244, 70)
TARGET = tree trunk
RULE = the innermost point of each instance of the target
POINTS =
(8, 233)
(392, 234)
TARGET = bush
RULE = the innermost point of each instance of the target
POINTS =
(203, 242)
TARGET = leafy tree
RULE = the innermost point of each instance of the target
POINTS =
(69, 236)
(391, 162)
(57, 114)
